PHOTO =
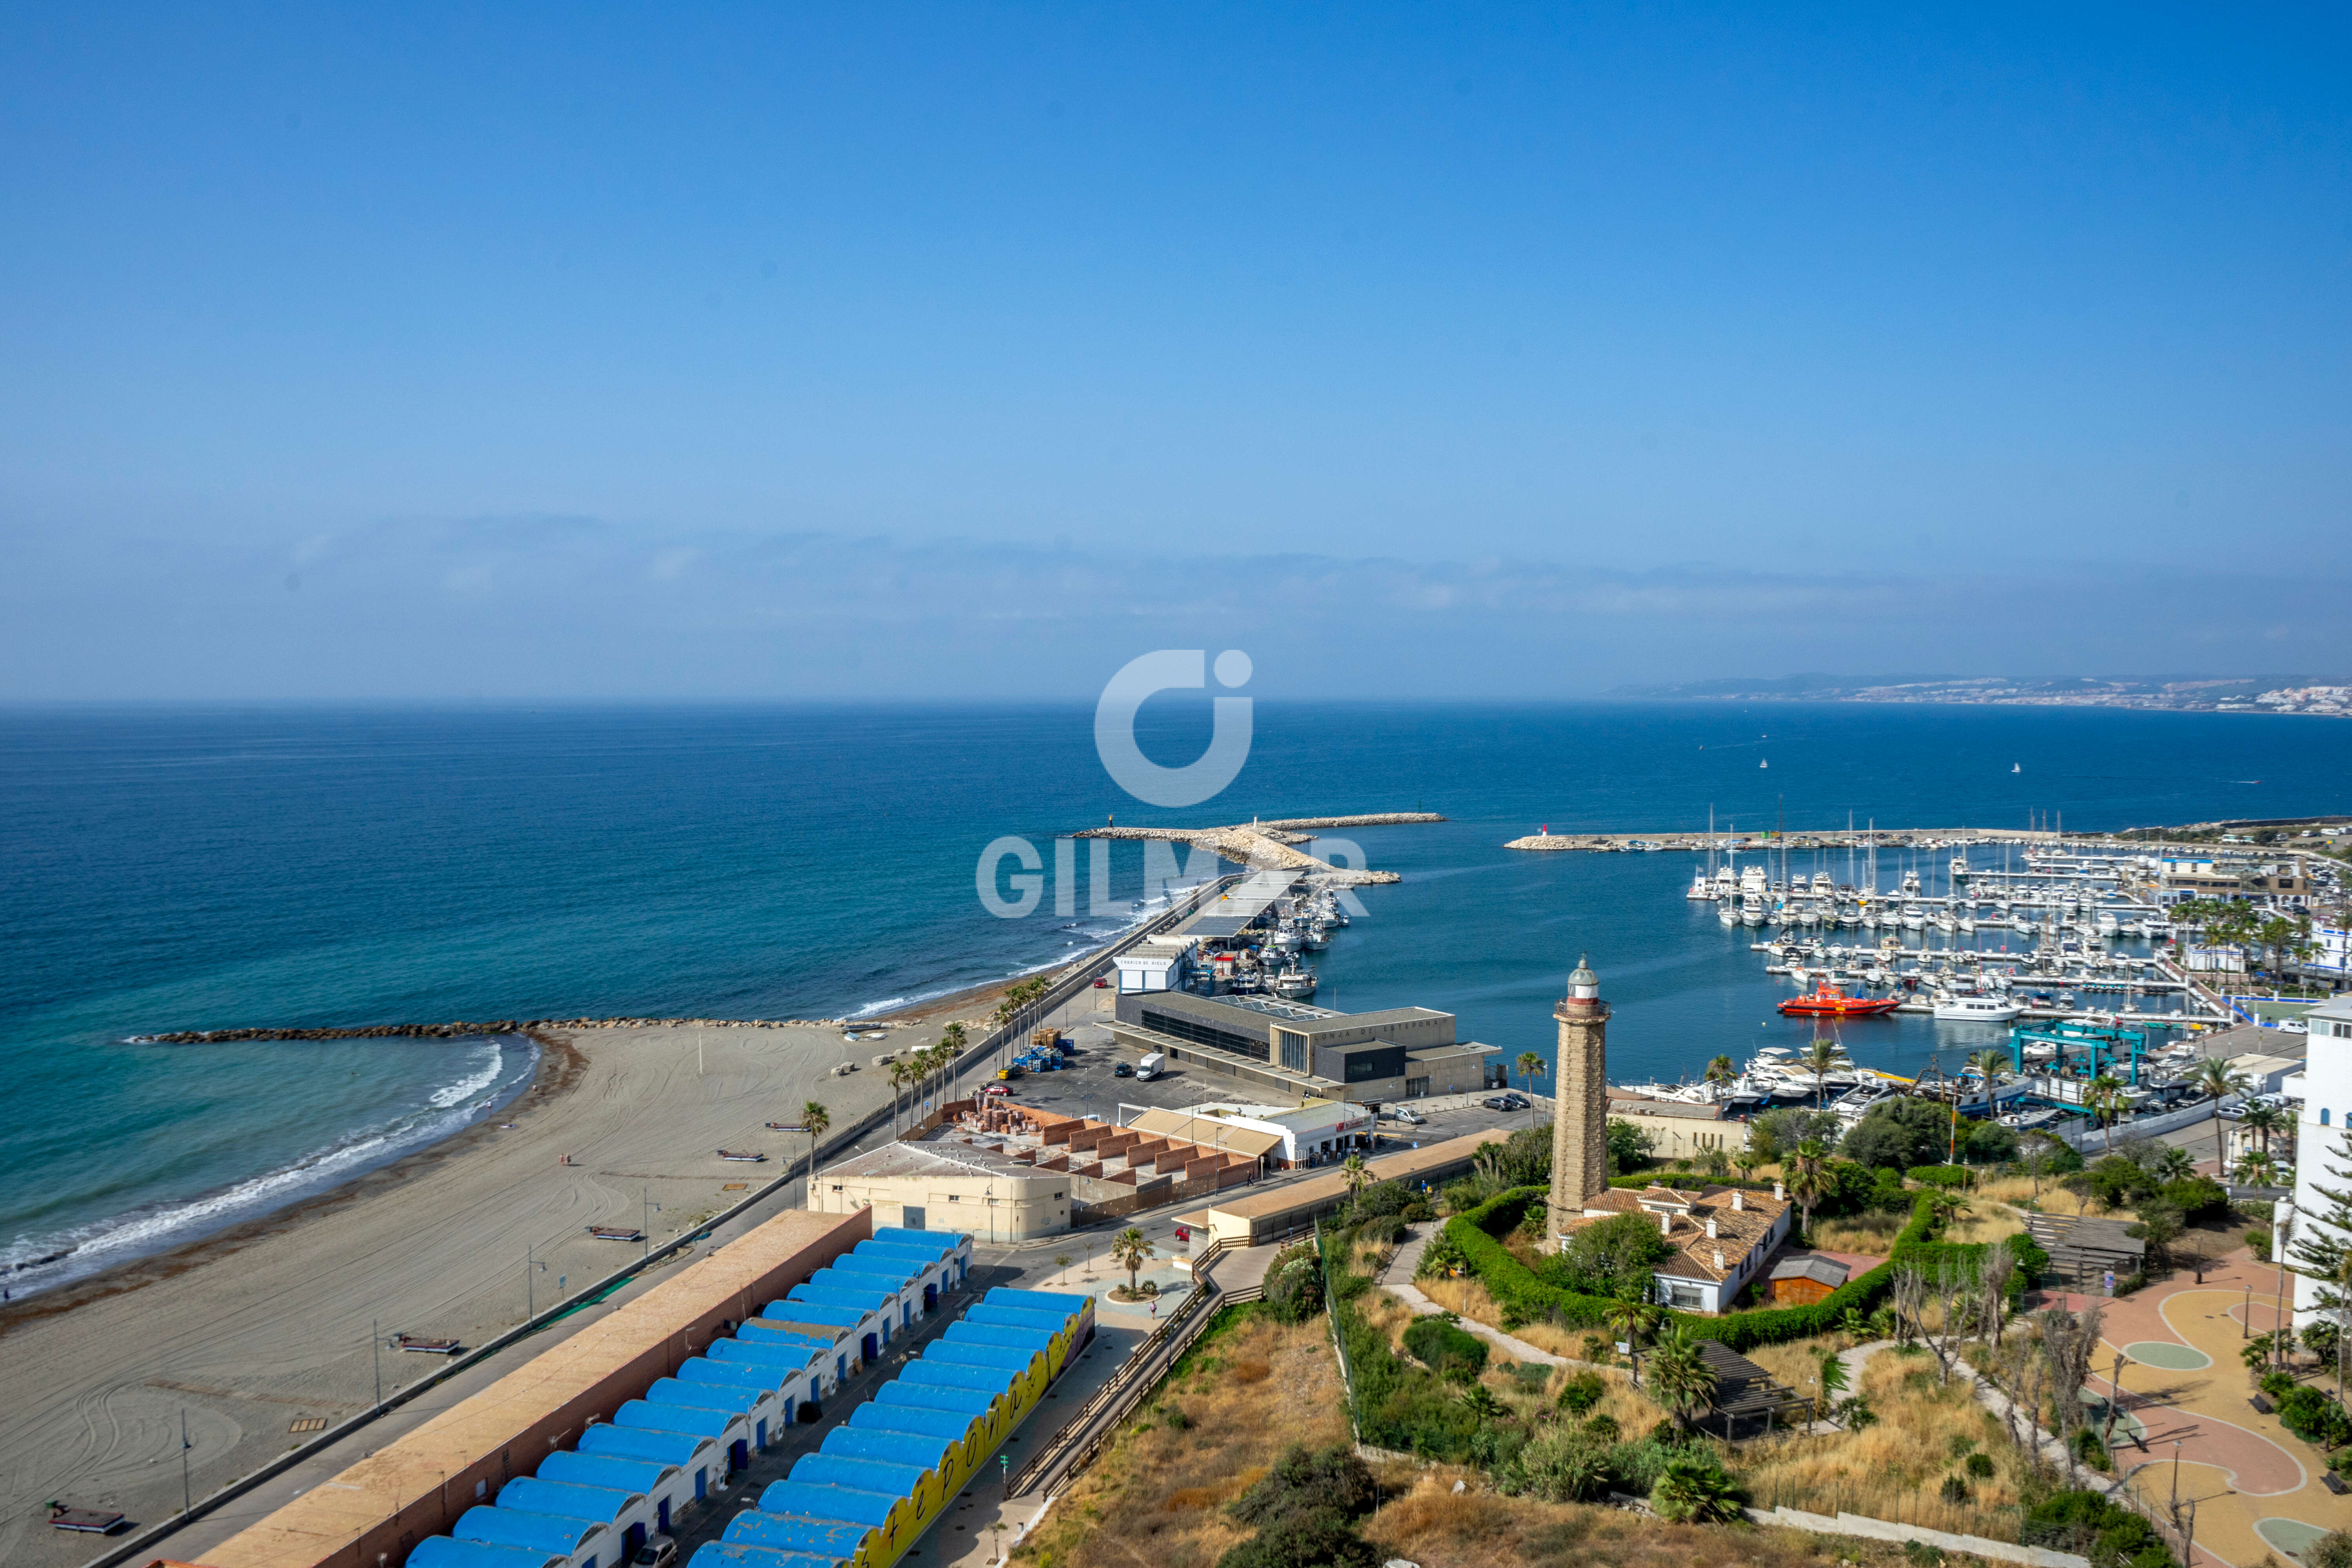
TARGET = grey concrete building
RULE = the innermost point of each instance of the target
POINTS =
(1294, 1049)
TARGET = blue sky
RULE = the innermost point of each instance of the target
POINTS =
(715, 350)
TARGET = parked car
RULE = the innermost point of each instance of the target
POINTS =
(1505, 1103)
(658, 1552)
(1409, 1116)
(1124, 1069)
(995, 1088)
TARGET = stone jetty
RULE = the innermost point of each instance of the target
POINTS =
(1794, 839)
(1270, 844)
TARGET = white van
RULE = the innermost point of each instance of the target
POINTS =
(1149, 1067)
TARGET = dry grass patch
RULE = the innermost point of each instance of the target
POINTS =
(1437, 1527)
(1873, 1235)
(1985, 1223)
(1158, 1495)
(1895, 1467)
(1468, 1299)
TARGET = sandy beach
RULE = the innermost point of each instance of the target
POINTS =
(268, 1325)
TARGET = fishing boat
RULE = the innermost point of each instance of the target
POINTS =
(1826, 1001)
(746, 1156)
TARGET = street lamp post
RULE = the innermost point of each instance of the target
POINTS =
(375, 1346)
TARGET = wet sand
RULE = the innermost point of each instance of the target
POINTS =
(271, 1323)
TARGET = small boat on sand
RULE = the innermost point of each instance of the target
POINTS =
(748, 1156)
(428, 1346)
(614, 1233)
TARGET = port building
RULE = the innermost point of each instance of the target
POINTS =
(1293, 1051)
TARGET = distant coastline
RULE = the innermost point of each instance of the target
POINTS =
(2302, 696)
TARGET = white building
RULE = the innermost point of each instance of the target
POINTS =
(1311, 1133)
(2321, 1133)
(1156, 964)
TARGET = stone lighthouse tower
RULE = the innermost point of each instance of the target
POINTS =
(1579, 1124)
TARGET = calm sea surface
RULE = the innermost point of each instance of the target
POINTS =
(198, 869)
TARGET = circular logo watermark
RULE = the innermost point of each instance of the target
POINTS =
(1173, 669)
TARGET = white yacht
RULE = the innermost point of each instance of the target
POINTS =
(1913, 918)
(2106, 924)
(1979, 1010)
(1701, 887)
(1751, 908)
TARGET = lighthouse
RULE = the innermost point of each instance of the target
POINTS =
(1580, 1113)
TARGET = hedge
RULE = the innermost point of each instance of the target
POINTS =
(1668, 1178)
(1525, 1299)
(1939, 1175)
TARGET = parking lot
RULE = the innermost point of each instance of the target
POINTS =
(1089, 1086)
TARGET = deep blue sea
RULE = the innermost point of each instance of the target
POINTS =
(181, 868)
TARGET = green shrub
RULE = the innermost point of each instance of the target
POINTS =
(1384, 1230)
(1956, 1490)
(1582, 1393)
(1419, 1212)
(2278, 1384)
(2333, 1549)
(1614, 1256)
(2260, 1240)
(2199, 1199)
(2086, 1524)
(1294, 1284)
(1445, 1349)
(1304, 1479)
(1979, 1465)
(1939, 1175)
(2315, 1418)
(1303, 1541)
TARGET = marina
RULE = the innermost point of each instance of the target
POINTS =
(2041, 970)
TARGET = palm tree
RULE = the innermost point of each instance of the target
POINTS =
(1747, 1162)
(815, 1119)
(1353, 1171)
(1130, 1251)
(1720, 1071)
(2214, 1077)
(1680, 1378)
(2264, 1120)
(898, 1072)
(951, 1047)
(1833, 1381)
(2105, 1096)
(2256, 1169)
(1822, 1060)
(1531, 1067)
(1629, 1319)
(1809, 1178)
(2176, 1166)
(1693, 1491)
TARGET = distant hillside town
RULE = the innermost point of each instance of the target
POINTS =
(2232, 694)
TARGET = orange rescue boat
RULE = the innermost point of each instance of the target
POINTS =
(1826, 1001)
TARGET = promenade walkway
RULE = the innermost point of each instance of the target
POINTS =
(2186, 1427)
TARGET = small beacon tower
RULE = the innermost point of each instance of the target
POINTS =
(1579, 1124)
